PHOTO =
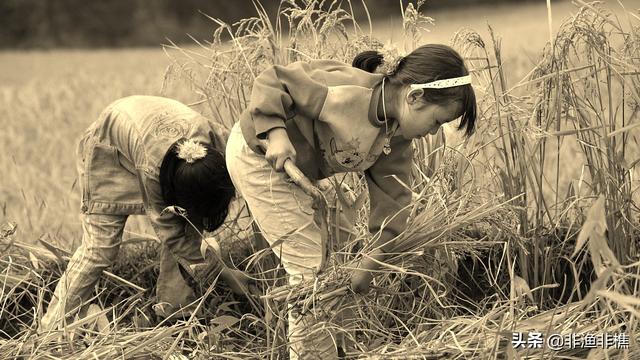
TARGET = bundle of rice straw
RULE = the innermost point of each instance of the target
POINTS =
(433, 222)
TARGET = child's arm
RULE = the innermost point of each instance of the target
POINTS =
(388, 180)
(280, 92)
(279, 148)
(169, 227)
(171, 230)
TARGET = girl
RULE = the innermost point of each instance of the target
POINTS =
(328, 118)
(143, 154)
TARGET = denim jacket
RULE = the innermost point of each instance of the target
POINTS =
(120, 155)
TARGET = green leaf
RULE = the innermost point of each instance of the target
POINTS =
(521, 287)
(34, 261)
(99, 316)
(227, 305)
(620, 298)
(594, 226)
(59, 253)
(210, 243)
(223, 322)
(597, 285)
(571, 193)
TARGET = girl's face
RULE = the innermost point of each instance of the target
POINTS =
(417, 118)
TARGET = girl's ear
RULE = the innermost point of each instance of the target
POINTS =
(414, 95)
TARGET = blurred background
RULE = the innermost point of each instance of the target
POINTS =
(63, 61)
(112, 23)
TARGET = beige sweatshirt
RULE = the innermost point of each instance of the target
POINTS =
(329, 110)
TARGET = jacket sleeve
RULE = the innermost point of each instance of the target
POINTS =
(170, 228)
(387, 181)
(282, 91)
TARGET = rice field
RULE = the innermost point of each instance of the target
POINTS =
(531, 226)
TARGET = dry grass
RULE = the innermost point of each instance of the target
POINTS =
(529, 226)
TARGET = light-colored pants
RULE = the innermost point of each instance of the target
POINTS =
(101, 240)
(283, 212)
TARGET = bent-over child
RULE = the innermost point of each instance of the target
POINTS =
(328, 118)
(143, 154)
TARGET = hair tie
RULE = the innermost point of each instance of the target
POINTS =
(191, 150)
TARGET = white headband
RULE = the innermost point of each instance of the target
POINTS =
(444, 83)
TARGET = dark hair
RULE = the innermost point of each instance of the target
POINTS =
(426, 64)
(202, 187)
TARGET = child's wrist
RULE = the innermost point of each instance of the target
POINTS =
(276, 132)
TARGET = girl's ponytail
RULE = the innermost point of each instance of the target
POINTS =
(368, 60)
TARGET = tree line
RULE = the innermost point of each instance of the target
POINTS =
(116, 23)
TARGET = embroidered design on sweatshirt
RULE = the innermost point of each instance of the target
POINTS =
(169, 127)
(349, 156)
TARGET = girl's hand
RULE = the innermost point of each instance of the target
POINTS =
(361, 277)
(360, 281)
(279, 148)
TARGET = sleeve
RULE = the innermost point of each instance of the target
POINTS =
(282, 91)
(387, 181)
(170, 228)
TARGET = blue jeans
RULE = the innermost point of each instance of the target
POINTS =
(102, 237)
